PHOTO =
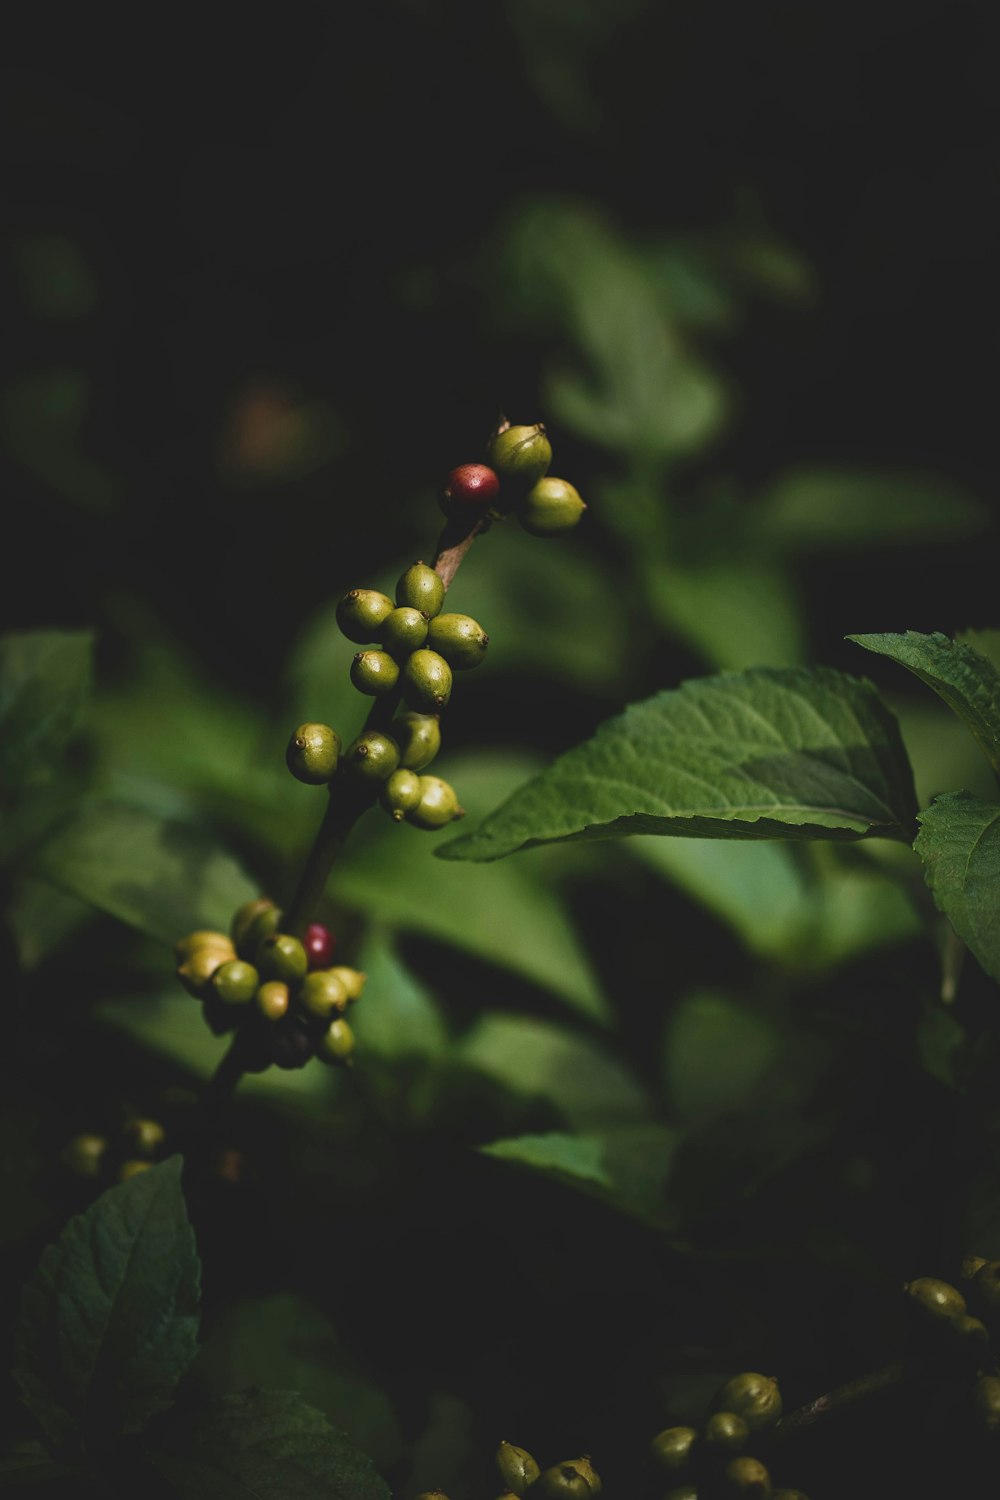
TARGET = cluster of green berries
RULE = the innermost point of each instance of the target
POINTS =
(284, 993)
(969, 1336)
(515, 479)
(714, 1459)
(573, 1479)
(100, 1160)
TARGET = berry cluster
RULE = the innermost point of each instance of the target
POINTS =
(283, 993)
(964, 1336)
(517, 480)
(101, 1160)
(574, 1479)
(712, 1460)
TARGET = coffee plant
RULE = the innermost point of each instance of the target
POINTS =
(312, 1221)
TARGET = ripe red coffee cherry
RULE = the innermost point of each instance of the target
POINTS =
(469, 488)
(320, 945)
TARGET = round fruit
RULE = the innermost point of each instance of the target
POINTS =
(282, 956)
(517, 1468)
(746, 1476)
(273, 1000)
(468, 489)
(520, 455)
(725, 1430)
(336, 1045)
(550, 507)
(419, 737)
(569, 1481)
(353, 981)
(400, 794)
(245, 916)
(374, 673)
(671, 1449)
(458, 639)
(373, 755)
(266, 922)
(132, 1169)
(422, 589)
(426, 680)
(320, 945)
(145, 1137)
(360, 614)
(322, 992)
(404, 631)
(753, 1397)
(312, 754)
(186, 946)
(235, 982)
(939, 1298)
(84, 1155)
(438, 804)
(196, 971)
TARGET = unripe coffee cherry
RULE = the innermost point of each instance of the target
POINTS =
(682, 1492)
(336, 1045)
(185, 946)
(312, 754)
(374, 673)
(84, 1155)
(573, 1480)
(403, 631)
(520, 455)
(985, 1288)
(422, 589)
(235, 982)
(322, 993)
(671, 1449)
(360, 614)
(468, 489)
(143, 1137)
(458, 639)
(262, 926)
(196, 971)
(971, 1266)
(320, 945)
(550, 507)
(132, 1169)
(426, 680)
(245, 916)
(968, 1337)
(438, 804)
(400, 794)
(725, 1431)
(273, 1000)
(419, 737)
(746, 1476)
(373, 756)
(755, 1398)
(517, 1468)
(986, 1402)
(937, 1297)
(353, 981)
(282, 956)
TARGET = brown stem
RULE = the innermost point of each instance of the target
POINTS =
(453, 546)
(864, 1388)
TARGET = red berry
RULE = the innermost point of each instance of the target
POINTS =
(320, 944)
(469, 487)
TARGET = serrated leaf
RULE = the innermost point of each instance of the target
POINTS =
(767, 753)
(45, 680)
(109, 1322)
(959, 843)
(261, 1445)
(159, 875)
(968, 683)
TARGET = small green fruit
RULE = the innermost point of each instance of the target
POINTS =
(573, 1480)
(726, 1431)
(404, 631)
(263, 925)
(419, 737)
(746, 1476)
(985, 1288)
(185, 946)
(245, 916)
(520, 455)
(195, 973)
(517, 1468)
(438, 804)
(84, 1155)
(336, 1045)
(756, 1398)
(144, 1137)
(360, 614)
(422, 589)
(312, 754)
(458, 639)
(273, 1000)
(282, 956)
(671, 1449)
(372, 756)
(426, 680)
(937, 1297)
(550, 507)
(322, 992)
(400, 794)
(235, 982)
(374, 673)
(353, 981)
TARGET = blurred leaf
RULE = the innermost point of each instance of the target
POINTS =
(25, 1465)
(42, 919)
(716, 1053)
(402, 1020)
(736, 611)
(580, 1077)
(966, 681)
(45, 681)
(164, 878)
(941, 750)
(844, 508)
(268, 1445)
(940, 1042)
(109, 1322)
(42, 418)
(624, 1166)
(959, 843)
(985, 642)
(767, 754)
(286, 1342)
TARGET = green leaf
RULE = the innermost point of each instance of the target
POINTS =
(404, 1020)
(768, 753)
(262, 1445)
(837, 508)
(624, 1166)
(717, 1051)
(968, 683)
(959, 843)
(108, 1323)
(45, 678)
(736, 612)
(26, 1465)
(161, 876)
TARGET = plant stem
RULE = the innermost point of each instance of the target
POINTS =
(864, 1388)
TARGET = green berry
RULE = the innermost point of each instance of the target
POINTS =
(373, 755)
(400, 794)
(438, 804)
(196, 971)
(422, 589)
(939, 1298)
(353, 981)
(186, 946)
(132, 1169)
(550, 507)
(374, 673)
(273, 1000)
(520, 455)
(746, 1476)
(458, 639)
(985, 1287)
(235, 982)
(143, 1136)
(312, 753)
(726, 1431)
(419, 737)
(517, 1468)
(671, 1449)
(282, 956)
(84, 1155)
(404, 631)
(971, 1266)
(360, 614)
(322, 992)
(986, 1402)
(573, 1480)
(245, 916)
(336, 1045)
(753, 1397)
(969, 1337)
(426, 680)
